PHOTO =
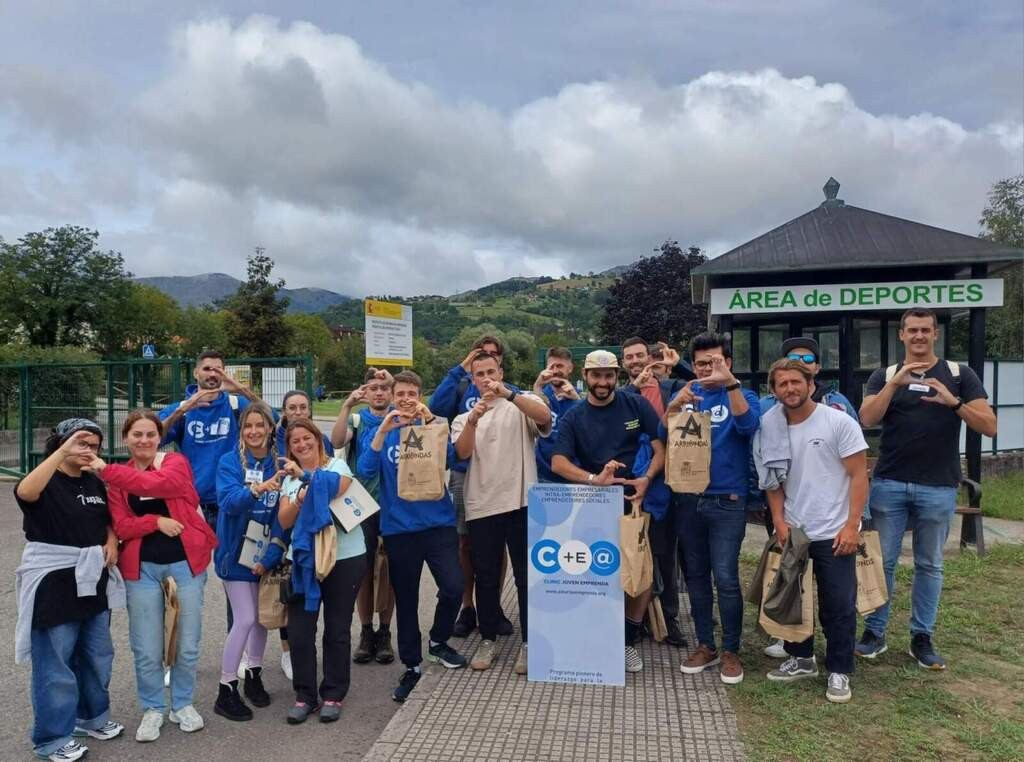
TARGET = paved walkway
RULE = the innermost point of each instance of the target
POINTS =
(660, 714)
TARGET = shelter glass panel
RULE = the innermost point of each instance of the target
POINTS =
(827, 337)
(741, 350)
(769, 340)
(868, 338)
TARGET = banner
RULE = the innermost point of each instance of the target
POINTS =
(576, 616)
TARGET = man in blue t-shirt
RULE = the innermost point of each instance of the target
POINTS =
(554, 384)
(598, 442)
(711, 525)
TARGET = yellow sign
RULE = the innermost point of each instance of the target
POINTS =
(388, 333)
(383, 309)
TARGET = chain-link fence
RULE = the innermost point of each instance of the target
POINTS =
(34, 398)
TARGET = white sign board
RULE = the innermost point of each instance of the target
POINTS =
(388, 333)
(846, 297)
(276, 383)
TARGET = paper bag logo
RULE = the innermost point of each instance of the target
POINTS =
(691, 428)
(412, 441)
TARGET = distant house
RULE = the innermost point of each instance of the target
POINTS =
(340, 332)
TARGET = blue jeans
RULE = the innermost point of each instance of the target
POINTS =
(146, 633)
(928, 511)
(710, 530)
(71, 666)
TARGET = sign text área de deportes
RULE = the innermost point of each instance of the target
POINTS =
(987, 292)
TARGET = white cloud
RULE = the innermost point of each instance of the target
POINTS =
(356, 180)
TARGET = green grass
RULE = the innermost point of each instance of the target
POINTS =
(327, 408)
(974, 710)
(1003, 498)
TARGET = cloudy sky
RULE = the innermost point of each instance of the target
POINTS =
(431, 147)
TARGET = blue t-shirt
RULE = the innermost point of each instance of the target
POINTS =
(730, 439)
(203, 435)
(546, 445)
(592, 435)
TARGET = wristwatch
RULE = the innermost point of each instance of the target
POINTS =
(959, 404)
(730, 387)
(590, 478)
(512, 395)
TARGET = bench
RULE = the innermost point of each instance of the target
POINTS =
(971, 529)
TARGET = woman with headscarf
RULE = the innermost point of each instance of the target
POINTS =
(64, 632)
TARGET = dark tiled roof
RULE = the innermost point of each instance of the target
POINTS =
(837, 236)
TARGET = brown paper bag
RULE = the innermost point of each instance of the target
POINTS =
(273, 612)
(688, 451)
(794, 633)
(637, 571)
(383, 598)
(171, 612)
(872, 592)
(656, 618)
(326, 549)
(422, 460)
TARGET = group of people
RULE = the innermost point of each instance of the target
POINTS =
(101, 535)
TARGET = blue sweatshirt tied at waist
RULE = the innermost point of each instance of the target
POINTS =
(237, 508)
(314, 515)
(658, 495)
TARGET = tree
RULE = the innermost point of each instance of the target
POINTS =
(343, 364)
(198, 329)
(310, 335)
(59, 287)
(1002, 221)
(255, 323)
(652, 299)
(148, 317)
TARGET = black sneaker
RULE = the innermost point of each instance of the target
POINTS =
(384, 653)
(230, 705)
(504, 625)
(870, 646)
(921, 649)
(675, 635)
(367, 645)
(253, 687)
(405, 685)
(466, 622)
(446, 656)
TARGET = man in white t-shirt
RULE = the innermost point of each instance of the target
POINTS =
(824, 494)
(498, 436)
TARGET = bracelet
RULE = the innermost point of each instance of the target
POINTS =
(959, 404)
(512, 395)
(733, 387)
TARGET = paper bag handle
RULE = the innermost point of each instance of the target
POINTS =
(637, 507)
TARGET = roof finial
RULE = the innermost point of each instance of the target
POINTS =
(831, 189)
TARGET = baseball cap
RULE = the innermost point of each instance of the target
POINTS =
(801, 341)
(600, 358)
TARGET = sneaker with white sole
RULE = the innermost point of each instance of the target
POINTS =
(110, 730)
(634, 663)
(838, 691)
(776, 649)
(522, 661)
(149, 728)
(70, 751)
(187, 718)
(870, 646)
(794, 668)
(484, 656)
(286, 664)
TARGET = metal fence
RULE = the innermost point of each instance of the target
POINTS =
(35, 397)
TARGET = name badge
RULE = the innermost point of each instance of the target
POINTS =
(253, 476)
(919, 388)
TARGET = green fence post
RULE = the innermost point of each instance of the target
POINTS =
(309, 377)
(132, 396)
(109, 438)
(26, 417)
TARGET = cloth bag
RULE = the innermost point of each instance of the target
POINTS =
(273, 609)
(326, 550)
(872, 592)
(172, 610)
(637, 573)
(422, 460)
(688, 451)
(794, 633)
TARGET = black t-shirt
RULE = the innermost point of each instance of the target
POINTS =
(592, 435)
(921, 440)
(157, 547)
(70, 511)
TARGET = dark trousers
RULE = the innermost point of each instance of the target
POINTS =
(837, 608)
(337, 596)
(488, 538)
(438, 547)
(664, 546)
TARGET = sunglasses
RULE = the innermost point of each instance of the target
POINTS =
(806, 358)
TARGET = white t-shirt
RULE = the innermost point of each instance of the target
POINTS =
(818, 487)
(503, 464)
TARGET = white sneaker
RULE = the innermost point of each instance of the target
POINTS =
(69, 752)
(110, 730)
(484, 656)
(838, 691)
(149, 728)
(776, 650)
(187, 718)
(286, 664)
(167, 677)
(633, 661)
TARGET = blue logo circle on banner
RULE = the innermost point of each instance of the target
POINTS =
(604, 558)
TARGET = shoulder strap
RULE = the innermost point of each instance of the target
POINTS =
(954, 368)
(890, 372)
(233, 401)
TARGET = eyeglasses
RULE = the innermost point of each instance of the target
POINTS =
(806, 358)
(702, 364)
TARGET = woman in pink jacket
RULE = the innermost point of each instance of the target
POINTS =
(154, 507)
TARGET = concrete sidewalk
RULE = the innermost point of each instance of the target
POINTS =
(660, 714)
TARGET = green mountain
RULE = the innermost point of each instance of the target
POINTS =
(201, 290)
